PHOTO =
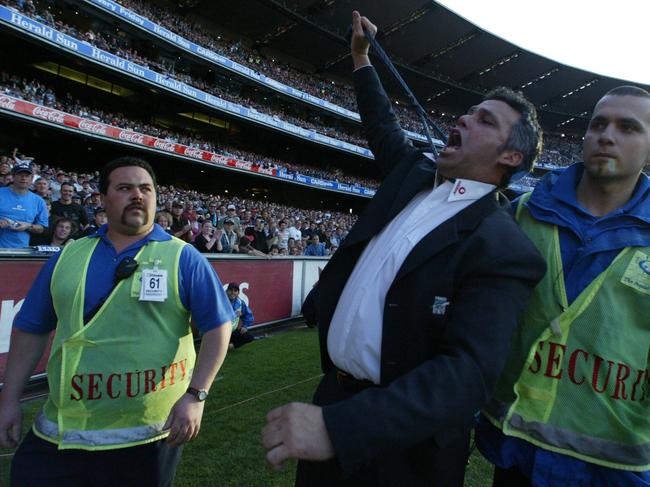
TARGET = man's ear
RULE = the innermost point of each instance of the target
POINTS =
(510, 158)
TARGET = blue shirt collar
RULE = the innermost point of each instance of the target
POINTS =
(560, 186)
(157, 234)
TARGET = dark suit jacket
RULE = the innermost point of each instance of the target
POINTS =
(437, 370)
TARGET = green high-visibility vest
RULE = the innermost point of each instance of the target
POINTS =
(581, 371)
(114, 380)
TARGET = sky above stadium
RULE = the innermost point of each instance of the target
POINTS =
(602, 36)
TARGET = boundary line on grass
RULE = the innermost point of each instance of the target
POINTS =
(267, 393)
(264, 394)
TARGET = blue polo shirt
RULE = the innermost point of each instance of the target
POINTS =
(316, 250)
(246, 316)
(24, 208)
(588, 245)
(201, 291)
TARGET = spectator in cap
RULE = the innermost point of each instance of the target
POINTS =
(212, 213)
(91, 204)
(229, 241)
(99, 219)
(243, 317)
(231, 214)
(181, 226)
(21, 212)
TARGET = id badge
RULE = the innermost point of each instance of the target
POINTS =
(153, 286)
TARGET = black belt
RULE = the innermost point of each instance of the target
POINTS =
(350, 383)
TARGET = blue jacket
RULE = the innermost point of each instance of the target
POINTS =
(316, 250)
(246, 318)
(588, 245)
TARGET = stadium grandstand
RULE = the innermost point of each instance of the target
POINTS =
(247, 112)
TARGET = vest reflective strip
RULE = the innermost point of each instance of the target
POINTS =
(106, 437)
(610, 451)
(511, 417)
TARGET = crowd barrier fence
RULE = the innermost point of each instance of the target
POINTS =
(273, 288)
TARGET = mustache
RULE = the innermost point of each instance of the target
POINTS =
(135, 206)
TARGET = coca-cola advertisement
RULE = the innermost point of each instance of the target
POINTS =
(93, 127)
(48, 114)
(130, 136)
(192, 152)
(7, 103)
(164, 145)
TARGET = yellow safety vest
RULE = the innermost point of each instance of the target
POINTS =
(114, 380)
(581, 371)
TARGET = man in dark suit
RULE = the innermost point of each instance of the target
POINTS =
(416, 308)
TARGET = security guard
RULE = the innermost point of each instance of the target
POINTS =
(122, 372)
(573, 404)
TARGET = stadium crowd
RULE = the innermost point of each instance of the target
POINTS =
(36, 92)
(212, 222)
(338, 93)
(253, 99)
(226, 88)
(558, 150)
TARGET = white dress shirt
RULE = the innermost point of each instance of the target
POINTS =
(355, 333)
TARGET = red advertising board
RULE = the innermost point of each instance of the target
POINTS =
(93, 127)
(266, 285)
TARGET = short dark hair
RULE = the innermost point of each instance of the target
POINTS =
(526, 135)
(68, 184)
(126, 161)
(628, 90)
(233, 285)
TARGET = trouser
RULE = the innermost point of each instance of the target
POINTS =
(239, 338)
(38, 462)
(510, 477)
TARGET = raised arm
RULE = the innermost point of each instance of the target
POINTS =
(386, 139)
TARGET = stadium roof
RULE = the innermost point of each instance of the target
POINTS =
(448, 62)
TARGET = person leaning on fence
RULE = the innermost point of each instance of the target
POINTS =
(573, 404)
(126, 389)
(243, 317)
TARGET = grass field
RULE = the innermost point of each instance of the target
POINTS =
(253, 380)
